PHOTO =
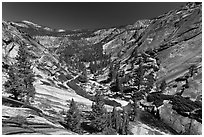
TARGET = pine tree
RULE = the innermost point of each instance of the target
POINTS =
(99, 113)
(144, 80)
(98, 107)
(21, 77)
(138, 93)
(25, 73)
(73, 118)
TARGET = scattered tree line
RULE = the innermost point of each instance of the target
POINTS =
(101, 121)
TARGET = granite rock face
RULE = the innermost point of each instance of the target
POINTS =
(157, 62)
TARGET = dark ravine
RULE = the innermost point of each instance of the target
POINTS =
(156, 63)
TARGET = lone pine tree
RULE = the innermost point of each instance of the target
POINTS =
(144, 80)
(73, 118)
(99, 113)
(21, 77)
(25, 73)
